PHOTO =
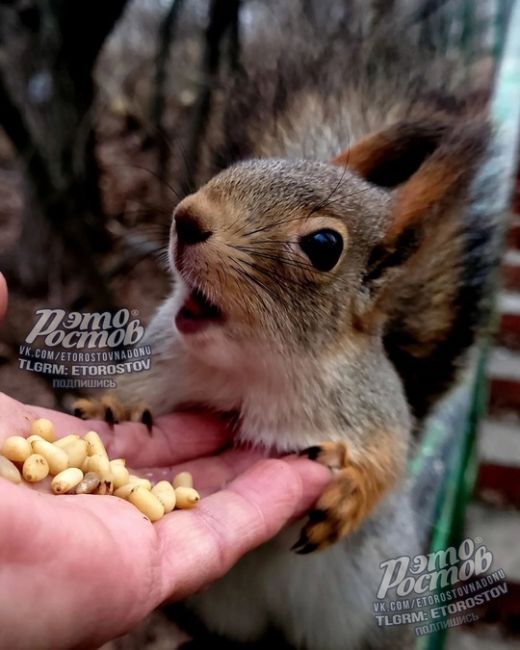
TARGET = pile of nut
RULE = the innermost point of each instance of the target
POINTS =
(80, 465)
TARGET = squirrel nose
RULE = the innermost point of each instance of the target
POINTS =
(189, 229)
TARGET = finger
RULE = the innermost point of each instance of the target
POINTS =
(200, 545)
(174, 438)
(3, 297)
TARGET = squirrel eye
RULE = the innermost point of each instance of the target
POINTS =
(323, 248)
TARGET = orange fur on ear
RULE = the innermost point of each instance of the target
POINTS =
(441, 181)
(427, 189)
(430, 163)
(364, 156)
(389, 157)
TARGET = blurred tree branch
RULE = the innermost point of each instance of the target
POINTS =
(48, 50)
(18, 131)
(223, 28)
(166, 34)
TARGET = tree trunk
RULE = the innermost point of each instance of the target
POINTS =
(47, 54)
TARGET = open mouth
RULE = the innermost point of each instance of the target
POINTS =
(197, 313)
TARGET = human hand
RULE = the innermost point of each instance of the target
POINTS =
(78, 570)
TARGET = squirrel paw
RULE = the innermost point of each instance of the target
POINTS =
(111, 410)
(345, 503)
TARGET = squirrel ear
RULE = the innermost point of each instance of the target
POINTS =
(429, 164)
(390, 157)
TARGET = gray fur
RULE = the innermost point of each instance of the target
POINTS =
(293, 363)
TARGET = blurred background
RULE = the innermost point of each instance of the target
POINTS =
(103, 107)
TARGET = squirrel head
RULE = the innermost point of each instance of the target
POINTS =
(304, 256)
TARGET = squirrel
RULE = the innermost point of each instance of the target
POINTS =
(328, 277)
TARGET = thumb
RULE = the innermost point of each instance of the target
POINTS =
(3, 297)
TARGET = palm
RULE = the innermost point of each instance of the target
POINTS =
(96, 561)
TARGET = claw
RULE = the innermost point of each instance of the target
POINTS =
(305, 550)
(147, 419)
(316, 516)
(303, 546)
(109, 416)
(311, 453)
(301, 542)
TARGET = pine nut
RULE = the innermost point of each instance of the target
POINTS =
(146, 502)
(183, 479)
(63, 442)
(76, 451)
(16, 448)
(99, 464)
(186, 497)
(119, 473)
(66, 480)
(137, 480)
(9, 471)
(35, 468)
(123, 492)
(89, 483)
(56, 458)
(44, 428)
(164, 491)
(95, 444)
(81, 465)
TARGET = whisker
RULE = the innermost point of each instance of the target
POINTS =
(275, 241)
(274, 224)
(326, 201)
(274, 256)
(162, 258)
(245, 276)
(155, 175)
(138, 213)
(254, 280)
(171, 144)
(285, 285)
